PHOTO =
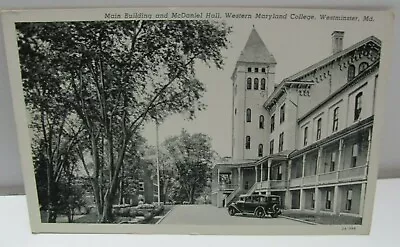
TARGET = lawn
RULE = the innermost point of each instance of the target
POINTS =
(324, 219)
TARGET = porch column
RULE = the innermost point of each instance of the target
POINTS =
(368, 151)
(288, 199)
(362, 199)
(269, 169)
(317, 199)
(261, 176)
(239, 178)
(255, 167)
(289, 171)
(319, 161)
(218, 176)
(337, 200)
(303, 169)
(302, 199)
(340, 166)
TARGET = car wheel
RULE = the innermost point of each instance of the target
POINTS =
(231, 211)
(274, 215)
(260, 213)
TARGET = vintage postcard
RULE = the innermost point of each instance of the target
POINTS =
(245, 121)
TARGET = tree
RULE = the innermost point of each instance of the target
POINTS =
(192, 155)
(117, 75)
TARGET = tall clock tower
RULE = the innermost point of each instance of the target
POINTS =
(253, 81)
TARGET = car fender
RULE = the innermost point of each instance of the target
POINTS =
(255, 210)
(235, 207)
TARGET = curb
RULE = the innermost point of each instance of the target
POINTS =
(302, 221)
(162, 218)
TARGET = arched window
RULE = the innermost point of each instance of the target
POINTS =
(262, 84)
(235, 89)
(351, 72)
(261, 123)
(305, 136)
(260, 150)
(357, 106)
(362, 67)
(248, 115)
(256, 84)
(249, 83)
(247, 142)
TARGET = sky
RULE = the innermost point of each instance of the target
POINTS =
(295, 46)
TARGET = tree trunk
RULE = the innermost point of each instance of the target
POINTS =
(52, 214)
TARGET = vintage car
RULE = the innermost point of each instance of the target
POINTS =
(258, 205)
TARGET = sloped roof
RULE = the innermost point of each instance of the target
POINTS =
(255, 50)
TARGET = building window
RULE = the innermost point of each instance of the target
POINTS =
(333, 162)
(335, 125)
(280, 148)
(235, 111)
(262, 84)
(246, 185)
(261, 123)
(263, 70)
(305, 136)
(351, 72)
(141, 186)
(235, 89)
(357, 106)
(312, 200)
(328, 202)
(362, 67)
(279, 177)
(319, 125)
(282, 114)
(256, 70)
(247, 142)
(249, 69)
(354, 155)
(260, 150)
(249, 83)
(248, 115)
(271, 147)
(272, 123)
(349, 198)
(256, 84)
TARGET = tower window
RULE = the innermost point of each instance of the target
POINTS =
(256, 70)
(357, 106)
(256, 84)
(262, 84)
(260, 150)
(271, 147)
(249, 69)
(263, 70)
(261, 123)
(248, 115)
(362, 67)
(247, 142)
(319, 126)
(351, 72)
(282, 114)
(335, 125)
(249, 83)
(305, 136)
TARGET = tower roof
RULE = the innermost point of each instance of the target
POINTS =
(255, 50)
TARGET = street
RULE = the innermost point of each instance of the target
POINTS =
(211, 215)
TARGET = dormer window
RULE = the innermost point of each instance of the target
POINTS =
(362, 67)
(351, 72)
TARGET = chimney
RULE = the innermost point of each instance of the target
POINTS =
(337, 41)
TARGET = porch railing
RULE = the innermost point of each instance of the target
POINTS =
(232, 195)
(278, 184)
(310, 180)
(253, 188)
(296, 182)
(355, 173)
(327, 177)
(264, 185)
(228, 186)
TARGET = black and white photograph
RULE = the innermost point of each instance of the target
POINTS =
(223, 119)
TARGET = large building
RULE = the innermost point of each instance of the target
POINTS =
(306, 139)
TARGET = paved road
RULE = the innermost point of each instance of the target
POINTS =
(211, 215)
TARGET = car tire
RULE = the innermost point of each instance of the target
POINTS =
(232, 211)
(274, 215)
(260, 213)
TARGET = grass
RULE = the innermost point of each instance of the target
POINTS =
(324, 219)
